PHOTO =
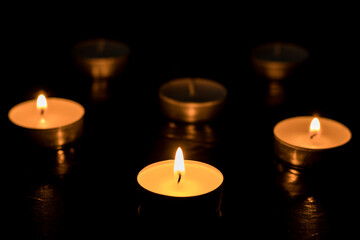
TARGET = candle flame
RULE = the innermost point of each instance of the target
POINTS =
(179, 165)
(41, 103)
(314, 128)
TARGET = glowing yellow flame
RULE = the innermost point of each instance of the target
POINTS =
(314, 128)
(179, 165)
(41, 102)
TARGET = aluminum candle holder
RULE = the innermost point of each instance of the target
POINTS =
(55, 138)
(299, 157)
(155, 206)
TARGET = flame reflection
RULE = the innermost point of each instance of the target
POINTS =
(305, 215)
(46, 210)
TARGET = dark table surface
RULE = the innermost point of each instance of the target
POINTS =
(90, 188)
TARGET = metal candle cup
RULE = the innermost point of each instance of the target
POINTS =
(101, 58)
(60, 124)
(297, 146)
(192, 100)
(277, 60)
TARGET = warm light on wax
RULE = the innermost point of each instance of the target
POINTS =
(60, 112)
(301, 132)
(201, 178)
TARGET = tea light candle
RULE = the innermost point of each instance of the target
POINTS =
(192, 99)
(51, 122)
(179, 178)
(101, 58)
(277, 60)
(302, 141)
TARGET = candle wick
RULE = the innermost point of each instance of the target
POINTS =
(191, 87)
(179, 178)
(311, 136)
(277, 49)
(42, 111)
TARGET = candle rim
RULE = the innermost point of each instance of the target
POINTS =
(10, 117)
(282, 140)
(187, 162)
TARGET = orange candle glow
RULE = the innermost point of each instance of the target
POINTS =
(312, 133)
(49, 122)
(306, 141)
(42, 113)
(200, 178)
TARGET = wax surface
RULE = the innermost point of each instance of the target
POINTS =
(295, 131)
(59, 113)
(193, 90)
(200, 178)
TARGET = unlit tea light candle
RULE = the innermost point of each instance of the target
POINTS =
(277, 60)
(301, 141)
(51, 122)
(192, 99)
(101, 58)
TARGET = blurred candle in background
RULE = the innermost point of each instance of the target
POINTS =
(101, 58)
(277, 60)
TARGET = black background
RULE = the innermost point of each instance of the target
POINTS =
(98, 192)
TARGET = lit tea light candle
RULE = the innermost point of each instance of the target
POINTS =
(302, 141)
(51, 122)
(187, 185)
(192, 99)
(180, 178)
(277, 60)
